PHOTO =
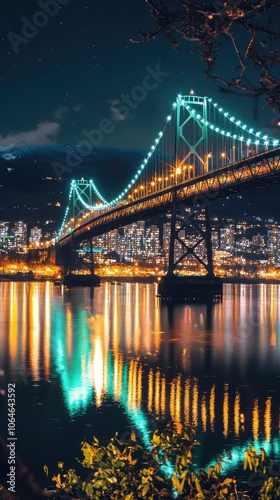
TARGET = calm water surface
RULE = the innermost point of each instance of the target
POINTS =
(93, 365)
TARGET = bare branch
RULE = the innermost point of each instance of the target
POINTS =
(207, 23)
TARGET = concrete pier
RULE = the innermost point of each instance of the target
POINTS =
(81, 280)
(190, 288)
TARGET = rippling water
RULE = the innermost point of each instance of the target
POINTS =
(98, 364)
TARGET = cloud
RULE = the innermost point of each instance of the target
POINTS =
(44, 133)
(116, 114)
(61, 112)
(79, 107)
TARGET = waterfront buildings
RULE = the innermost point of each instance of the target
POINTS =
(239, 242)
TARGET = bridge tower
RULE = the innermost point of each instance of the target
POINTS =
(82, 196)
(191, 136)
(191, 218)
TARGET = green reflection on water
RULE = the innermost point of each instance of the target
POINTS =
(234, 457)
(76, 384)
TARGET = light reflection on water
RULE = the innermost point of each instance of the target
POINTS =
(215, 367)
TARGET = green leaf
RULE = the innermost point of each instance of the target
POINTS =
(158, 478)
(178, 485)
(197, 485)
(145, 490)
(228, 480)
(175, 482)
(57, 480)
(263, 454)
(46, 470)
(156, 439)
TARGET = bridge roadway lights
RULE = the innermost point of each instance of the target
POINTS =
(190, 288)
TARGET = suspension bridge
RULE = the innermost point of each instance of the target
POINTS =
(203, 153)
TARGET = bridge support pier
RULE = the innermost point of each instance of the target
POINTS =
(190, 236)
(91, 257)
(69, 260)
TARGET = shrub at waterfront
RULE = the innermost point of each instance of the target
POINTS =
(129, 471)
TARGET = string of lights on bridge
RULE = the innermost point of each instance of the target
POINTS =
(268, 141)
(86, 205)
(253, 137)
(116, 200)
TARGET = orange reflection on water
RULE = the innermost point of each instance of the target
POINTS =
(139, 385)
(118, 374)
(157, 393)
(225, 411)
(150, 390)
(178, 395)
(157, 327)
(237, 414)
(195, 404)
(47, 330)
(23, 343)
(99, 369)
(13, 340)
(212, 407)
(163, 397)
(187, 401)
(69, 331)
(172, 400)
(255, 420)
(175, 402)
(273, 315)
(204, 413)
(34, 330)
(267, 419)
(136, 333)
(134, 384)
(116, 326)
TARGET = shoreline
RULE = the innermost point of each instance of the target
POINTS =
(252, 281)
(9, 278)
(154, 279)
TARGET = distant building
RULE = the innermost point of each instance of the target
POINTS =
(19, 231)
(258, 243)
(4, 231)
(227, 238)
(215, 240)
(153, 248)
(273, 246)
(35, 235)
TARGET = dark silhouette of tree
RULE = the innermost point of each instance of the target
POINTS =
(251, 26)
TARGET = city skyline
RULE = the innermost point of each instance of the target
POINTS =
(238, 241)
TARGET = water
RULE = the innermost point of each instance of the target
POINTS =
(92, 365)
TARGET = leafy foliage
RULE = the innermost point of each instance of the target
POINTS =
(251, 27)
(128, 471)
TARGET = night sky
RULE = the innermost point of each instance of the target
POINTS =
(68, 74)
(64, 78)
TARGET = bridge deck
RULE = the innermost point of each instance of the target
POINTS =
(249, 173)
